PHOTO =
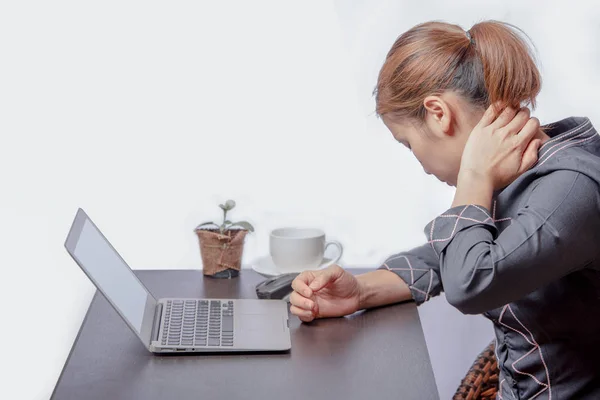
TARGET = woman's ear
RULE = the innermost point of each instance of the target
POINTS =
(439, 116)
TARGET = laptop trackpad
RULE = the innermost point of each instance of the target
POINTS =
(260, 322)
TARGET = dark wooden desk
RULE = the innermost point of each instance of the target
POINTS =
(374, 354)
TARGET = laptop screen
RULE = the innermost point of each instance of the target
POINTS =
(110, 273)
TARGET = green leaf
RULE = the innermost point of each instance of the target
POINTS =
(229, 204)
(246, 225)
(223, 207)
(227, 222)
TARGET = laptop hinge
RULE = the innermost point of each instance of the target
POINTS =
(156, 323)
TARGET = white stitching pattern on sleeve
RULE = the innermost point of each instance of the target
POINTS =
(460, 217)
(412, 276)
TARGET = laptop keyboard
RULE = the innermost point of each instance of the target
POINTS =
(198, 323)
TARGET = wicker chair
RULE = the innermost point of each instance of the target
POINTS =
(481, 381)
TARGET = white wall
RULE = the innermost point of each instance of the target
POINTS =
(147, 114)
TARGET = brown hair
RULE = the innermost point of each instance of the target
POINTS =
(434, 57)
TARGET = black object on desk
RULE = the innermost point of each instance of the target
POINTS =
(277, 287)
(378, 354)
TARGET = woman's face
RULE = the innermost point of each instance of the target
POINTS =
(439, 143)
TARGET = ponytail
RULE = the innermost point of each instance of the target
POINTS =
(510, 74)
(494, 64)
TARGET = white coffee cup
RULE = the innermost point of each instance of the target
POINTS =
(300, 249)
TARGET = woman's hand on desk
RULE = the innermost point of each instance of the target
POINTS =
(331, 292)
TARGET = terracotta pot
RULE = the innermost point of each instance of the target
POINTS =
(221, 253)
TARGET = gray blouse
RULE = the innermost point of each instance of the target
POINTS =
(531, 265)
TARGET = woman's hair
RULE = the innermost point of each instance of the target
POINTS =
(434, 57)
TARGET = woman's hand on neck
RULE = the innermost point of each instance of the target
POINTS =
(499, 149)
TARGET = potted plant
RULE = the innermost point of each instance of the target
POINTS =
(221, 246)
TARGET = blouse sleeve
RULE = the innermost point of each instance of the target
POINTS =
(419, 268)
(557, 231)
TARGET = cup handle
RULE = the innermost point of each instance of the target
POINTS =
(340, 248)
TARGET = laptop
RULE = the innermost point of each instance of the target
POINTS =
(176, 324)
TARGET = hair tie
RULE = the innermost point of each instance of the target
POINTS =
(468, 33)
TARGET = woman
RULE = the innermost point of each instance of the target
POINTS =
(520, 244)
